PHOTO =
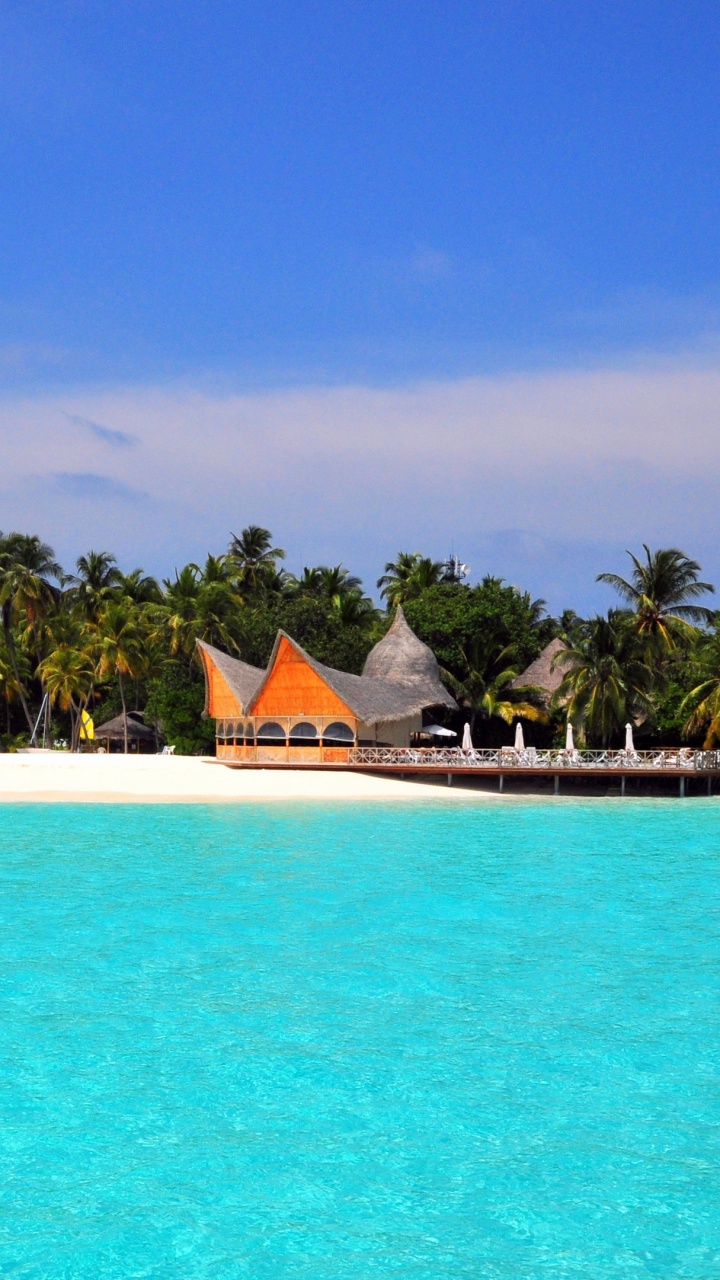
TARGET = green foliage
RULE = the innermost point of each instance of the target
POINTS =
(606, 681)
(315, 623)
(669, 717)
(176, 697)
(409, 576)
(101, 639)
(662, 593)
(449, 618)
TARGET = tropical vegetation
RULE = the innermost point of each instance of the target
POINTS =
(99, 640)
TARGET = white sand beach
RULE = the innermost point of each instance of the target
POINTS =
(58, 776)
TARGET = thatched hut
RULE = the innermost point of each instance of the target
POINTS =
(140, 737)
(301, 710)
(544, 673)
(402, 658)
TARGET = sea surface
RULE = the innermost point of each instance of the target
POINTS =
(418, 1041)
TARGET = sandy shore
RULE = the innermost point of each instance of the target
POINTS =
(59, 776)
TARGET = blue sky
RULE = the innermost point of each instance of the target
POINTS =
(225, 203)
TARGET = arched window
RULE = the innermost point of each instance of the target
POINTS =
(222, 730)
(338, 734)
(303, 734)
(249, 734)
(238, 733)
(271, 733)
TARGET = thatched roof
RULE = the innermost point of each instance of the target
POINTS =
(372, 700)
(137, 730)
(402, 658)
(243, 680)
(542, 673)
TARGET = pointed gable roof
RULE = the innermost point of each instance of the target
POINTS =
(242, 679)
(371, 700)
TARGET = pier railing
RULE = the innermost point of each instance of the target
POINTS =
(507, 758)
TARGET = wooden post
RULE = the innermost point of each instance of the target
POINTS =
(682, 787)
(501, 780)
(710, 785)
(622, 785)
(449, 779)
(557, 784)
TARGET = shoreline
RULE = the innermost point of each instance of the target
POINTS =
(59, 777)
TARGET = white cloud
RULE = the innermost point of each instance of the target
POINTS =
(497, 465)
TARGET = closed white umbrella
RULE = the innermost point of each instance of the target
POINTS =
(569, 744)
(467, 738)
(519, 740)
(629, 744)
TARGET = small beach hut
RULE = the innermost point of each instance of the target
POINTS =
(545, 673)
(140, 737)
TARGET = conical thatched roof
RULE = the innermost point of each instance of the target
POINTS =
(402, 658)
(137, 730)
(542, 673)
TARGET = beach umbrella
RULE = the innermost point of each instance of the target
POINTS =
(438, 731)
(519, 740)
(629, 744)
(569, 744)
(467, 738)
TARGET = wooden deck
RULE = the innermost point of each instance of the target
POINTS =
(691, 772)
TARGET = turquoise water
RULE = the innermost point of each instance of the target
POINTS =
(334, 1041)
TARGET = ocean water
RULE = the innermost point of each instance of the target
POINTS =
(417, 1041)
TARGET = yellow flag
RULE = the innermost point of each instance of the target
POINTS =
(87, 728)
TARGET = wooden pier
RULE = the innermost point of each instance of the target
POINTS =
(681, 771)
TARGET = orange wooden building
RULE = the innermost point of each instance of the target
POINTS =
(300, 710)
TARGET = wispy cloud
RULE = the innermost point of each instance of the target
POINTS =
(578, 464)
(109, 435)
(87, 484)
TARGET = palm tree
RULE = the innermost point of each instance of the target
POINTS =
(119, 647)
(662, 592)
(308, 584)
(95, 583)
(254, 560)
(68, 675)
(485, 684)
(408, 576)
(201, 606)
(338, 581)
(218, 618)
(571, 627)
(179, 609)
(702, 703)
(355, 610)
(325, 582)
(606, 682)
(138, 587)
(10, 686)
(27, 567)
(216, 569)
